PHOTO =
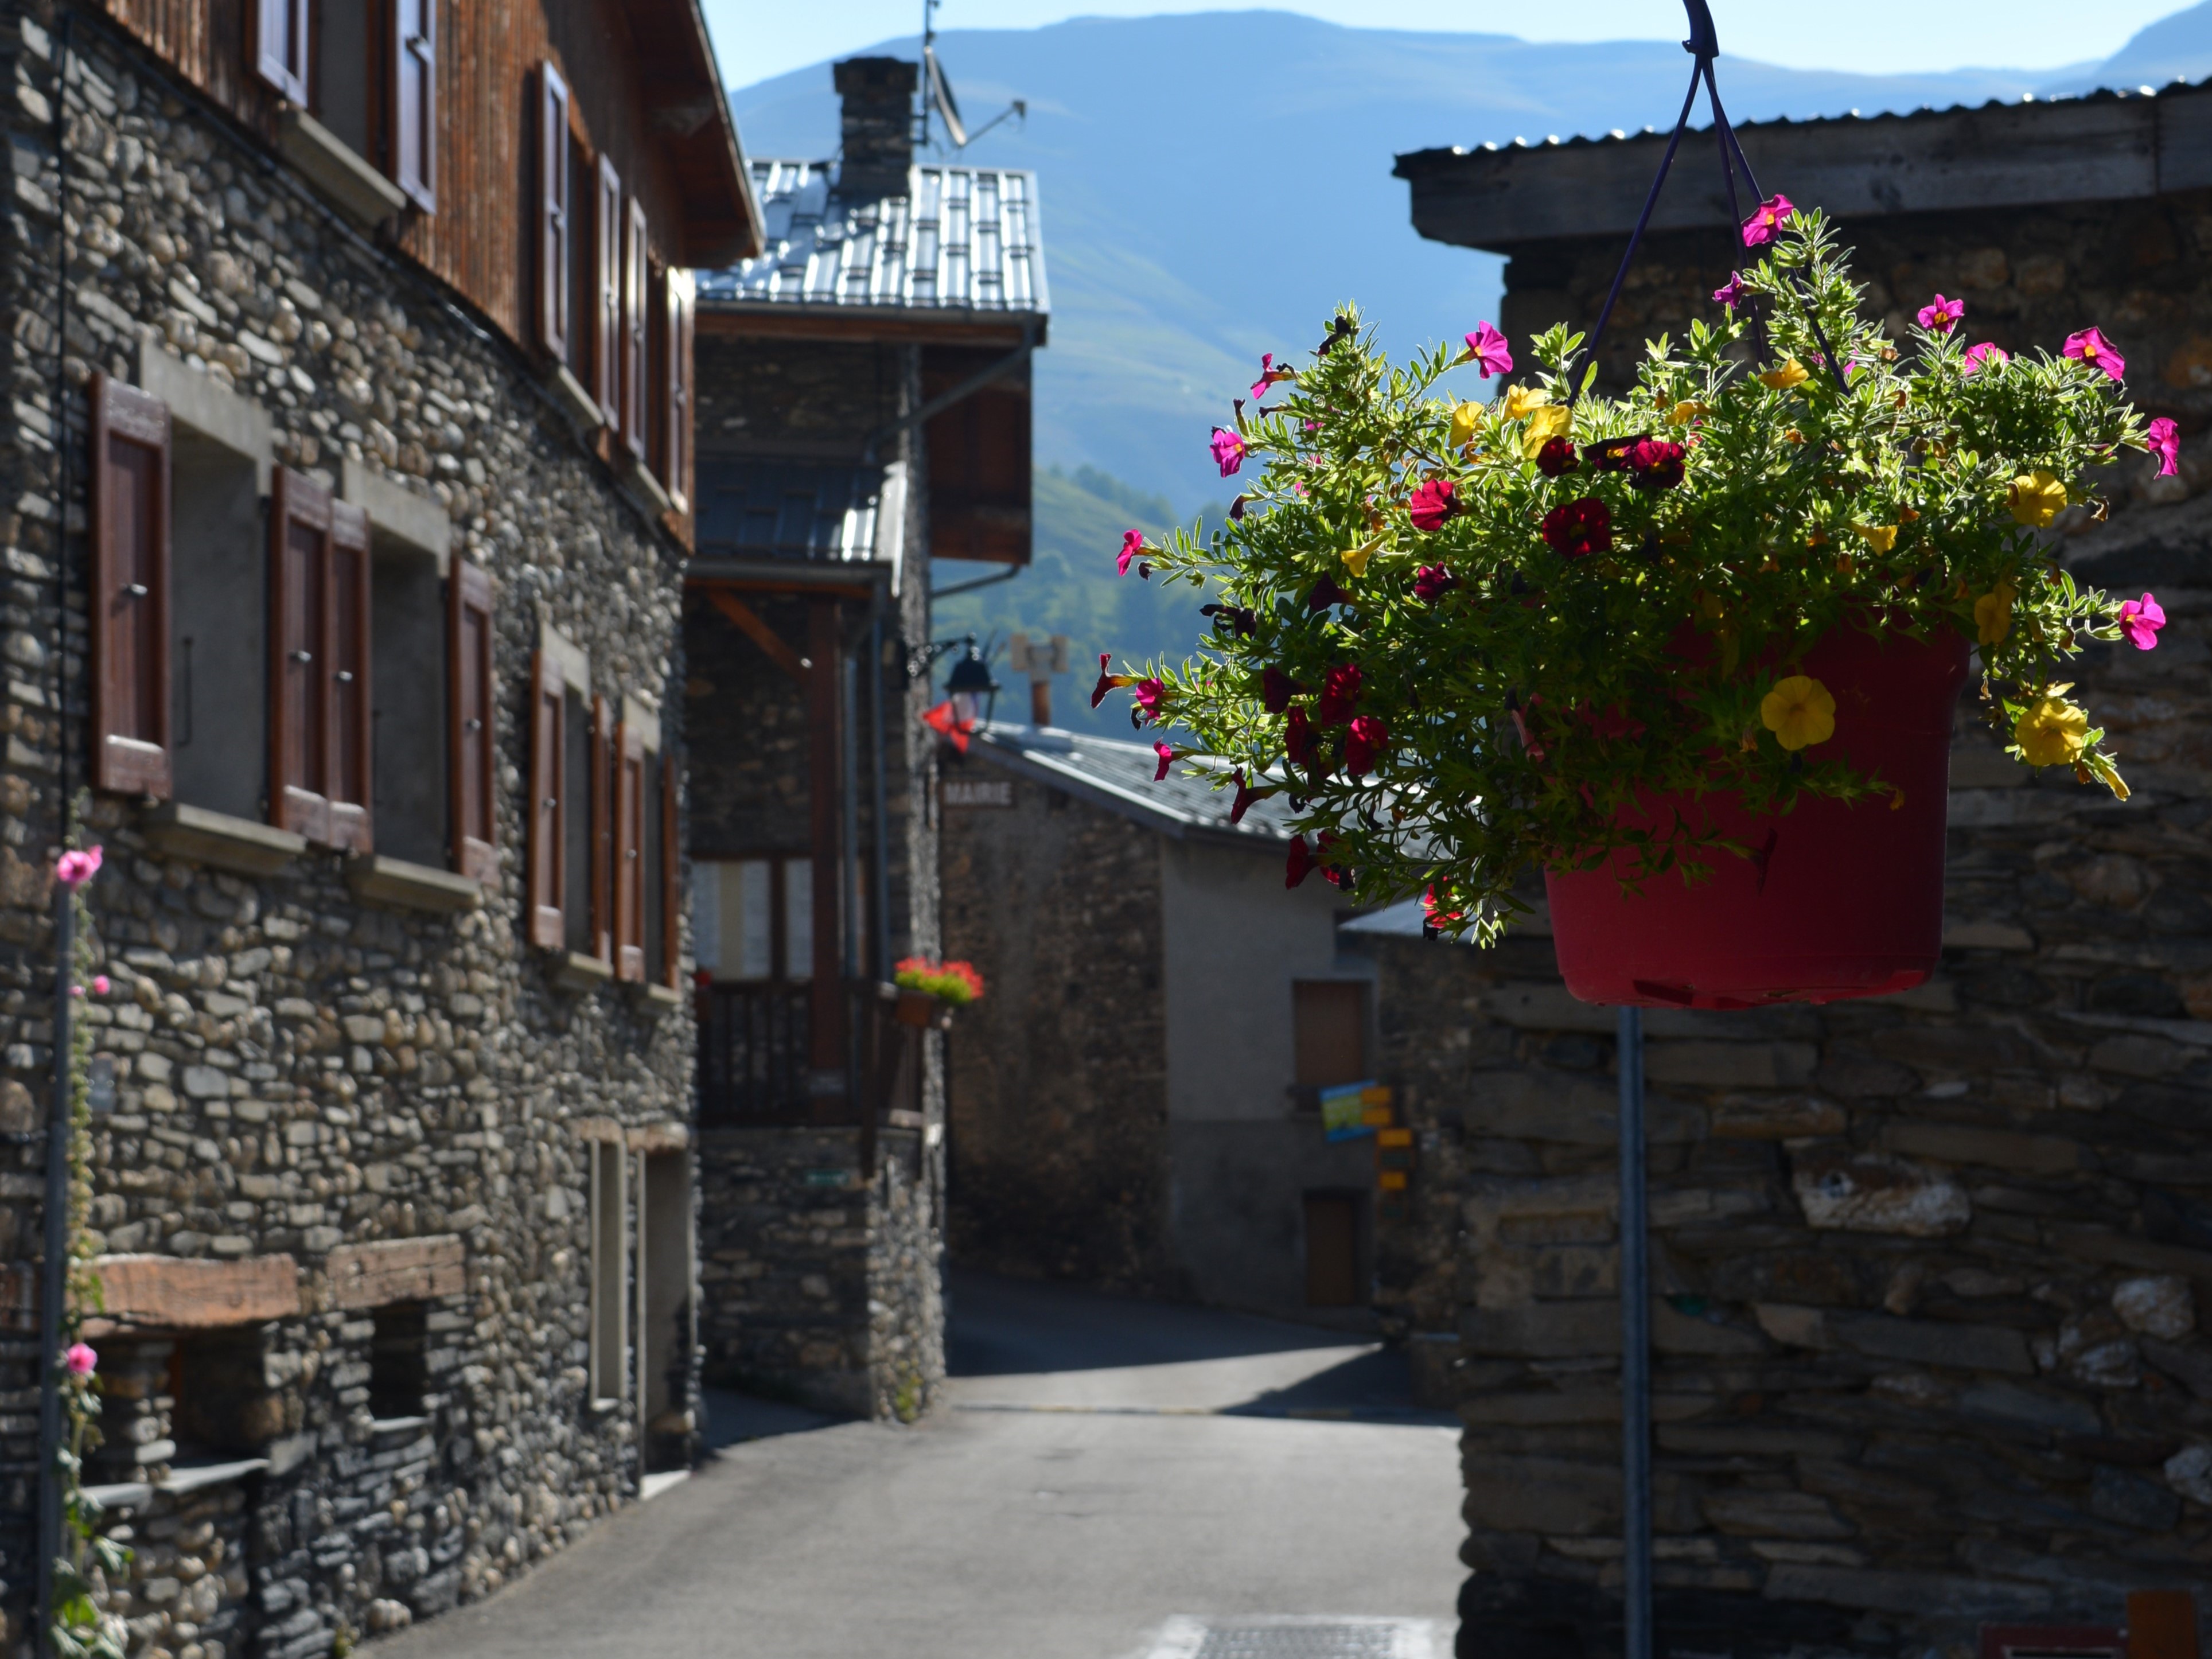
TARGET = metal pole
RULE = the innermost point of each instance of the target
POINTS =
(1635, 1348)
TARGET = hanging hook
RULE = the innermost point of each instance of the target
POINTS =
(1703, 42)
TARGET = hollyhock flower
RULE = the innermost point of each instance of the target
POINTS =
(1365, 744)
(80, 1359)
(1521, 399)
(1229, 450)
(1575, 528)
(1799, 712)
(1981, 356)
(2164, 441)
(75, 868)
(1766, 222)
(1132, 542)
(1486, 348)
(1557, 458)
(1326, 593)
(1340, 695)
(1270, 375)
(99, 985)
(1151, 698)
(1731, 294)
(2140, 620)
(1298, 739)
(1433, 503)
(1167, 759)
(1993, 613)
(2037, 499)
(1276, 690)
(1657, 463)
(1791, 374)
(2052, 731)
(1942, 315)
(1107, 682)
(1301, 863)
(2094, 350)
(76, 990)
(1432, 582)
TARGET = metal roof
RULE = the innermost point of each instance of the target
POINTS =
(1118, 777)
(960, 238)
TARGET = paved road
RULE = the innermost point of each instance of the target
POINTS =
(1101, 1473)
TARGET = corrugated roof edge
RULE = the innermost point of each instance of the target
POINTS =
(1055, 757)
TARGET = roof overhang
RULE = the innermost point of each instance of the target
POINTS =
(1042, 766)
(2103, 148)
(858, 579)
(905, 324)
(689, 115)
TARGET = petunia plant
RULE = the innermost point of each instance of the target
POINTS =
(1467, 640)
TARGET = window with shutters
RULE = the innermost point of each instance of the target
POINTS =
(588, 726)
(607, 291)
(638, 371)
(218, 629)
(674, 459)
(471, 698)
(367, 71)
(556, 215)
(547, 852)
(131, 508)
(321, 744)
(629, 846)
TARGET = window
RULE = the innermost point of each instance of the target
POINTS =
(675, 458)
(320, 728)
(547, 849)
(630, 849)
(666, 1337)
(398, 1361)
(218, 627)
(470, 700)
(638, 373)
(607, 294)
(753, 918)
(585, 727)
(412, 771)
(130, 590)
(367, 71)
(1330, 1029)
(610, 1348)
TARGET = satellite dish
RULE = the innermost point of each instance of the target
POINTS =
(937, 91)
(940, 95)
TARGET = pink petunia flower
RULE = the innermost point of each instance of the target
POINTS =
(1167, 759)
(1489, 352)
(2140, 620)
(2094, 348)
(74, 868)
(1229, 450)
(1152, 697)
(1766, 220)
(1432, 503)
(1944, 315)
(1270, 375)
(80, 1359)
(1732, 295)
(1132, 542)
(2165, 440)
(1981, 356)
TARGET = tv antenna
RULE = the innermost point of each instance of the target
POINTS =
(937, 91)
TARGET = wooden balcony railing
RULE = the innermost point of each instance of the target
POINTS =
(753, 1061)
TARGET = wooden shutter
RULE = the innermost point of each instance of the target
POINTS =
(414, 100)
(607, 280)
(672, 881)
(469, 703)
(129, 590)
(299, 604)
(548, 835)
(602, 829)
(279, 46)
(629, 854)
(350, 781)
(676, 418)
(637, 350)
(554, 217)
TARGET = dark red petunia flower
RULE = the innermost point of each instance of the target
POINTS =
(1326, 593)
(1301, 863)
(1365, 745)
(1432, 582)
(1298, 739)
(1432, 503)
(1245, 796)
(1612, 454)
(1276, 690)
(1557, 458)
(1577, 528)
(1656, 464)
(1167, 759)
(1339, 695)
(1151, 698)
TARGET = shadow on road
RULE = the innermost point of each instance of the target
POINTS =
(734, 1419)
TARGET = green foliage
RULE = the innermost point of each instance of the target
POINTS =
(1513, 692)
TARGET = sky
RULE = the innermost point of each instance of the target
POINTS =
(757, 39)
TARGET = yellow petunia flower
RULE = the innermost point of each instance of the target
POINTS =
(1993, 613)
(1544, 425)
(1880, 538)
(1799, 712)
(2108, 774)
(1792, 372)
(1520, 399)
(2037, 499)
(2052, 731)
(1356, 558)
(1467, 420)
(1686, 412)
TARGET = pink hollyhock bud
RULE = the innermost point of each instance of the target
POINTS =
(1942, 316)
(1577, 528)
(1276, 690)
(1731, 294)
(1487, 349)
(75, 868)
(1766, 222)
(1229, 450)
(1365, 744)
(1339, 695)
(2091, 347)
(1432, 582)
(1300, 864)
(2164, 441)
(1167, 759)
(1557, 458)
(1132, 542)
(81, 1360)
(1982, 356)
(1432, 503)
(2140, 620)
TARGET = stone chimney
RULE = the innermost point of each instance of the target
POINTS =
(878, 93)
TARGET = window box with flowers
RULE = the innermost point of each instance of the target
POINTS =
(930, 991)
(1692, 654)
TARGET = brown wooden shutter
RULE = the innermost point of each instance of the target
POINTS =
(549, 794)
(672, 879)
(470, 699)
(299, 603)
(607, 275)
(638, 353)
(350, 785)
(554, 217)
(414, 100)
(676, 431)
(279, 46)
(629, 854)
(602, 829)
(129, 590)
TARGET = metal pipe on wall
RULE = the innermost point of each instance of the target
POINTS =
(1635, 1347)
(879, 733)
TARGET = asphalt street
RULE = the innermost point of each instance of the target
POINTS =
(1104, 1479)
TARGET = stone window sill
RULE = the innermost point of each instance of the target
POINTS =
(238, 845)
(333, 167)
(411, 886)
(649, 491)
(577, 404)
(397, 1425)
(182, 1482)
(656, 999)
(576, 972)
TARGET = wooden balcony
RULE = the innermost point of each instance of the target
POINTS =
(753, 1058)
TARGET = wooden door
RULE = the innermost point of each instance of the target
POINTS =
(1333, 1250)
(1330, 1020)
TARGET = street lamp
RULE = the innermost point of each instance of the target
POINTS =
(972, 686)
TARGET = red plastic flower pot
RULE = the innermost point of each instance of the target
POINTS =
(1837, 901)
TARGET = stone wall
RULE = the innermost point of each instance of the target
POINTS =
(294, 1068)
(1928, 1269)
(1058, 1117)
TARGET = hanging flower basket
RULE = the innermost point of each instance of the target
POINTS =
(930, 991)
(1693, 654)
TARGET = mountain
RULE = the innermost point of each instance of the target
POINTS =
(2176, 48)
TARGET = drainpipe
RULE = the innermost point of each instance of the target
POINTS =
(879, 851)
(1635, 1347)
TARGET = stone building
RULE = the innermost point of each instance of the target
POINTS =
(1136, 1104)
(349, 466)
(863, 408)
(1931, 1270)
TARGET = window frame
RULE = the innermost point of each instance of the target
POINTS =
(546, 850)
(283, 47)
(637, 329)
(681, 292)
(607, 300)
(472, 750)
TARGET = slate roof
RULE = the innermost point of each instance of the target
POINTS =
(961, 239)
(755, 508)
(1118, 777)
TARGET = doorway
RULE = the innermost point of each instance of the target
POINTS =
(1333, 1250)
